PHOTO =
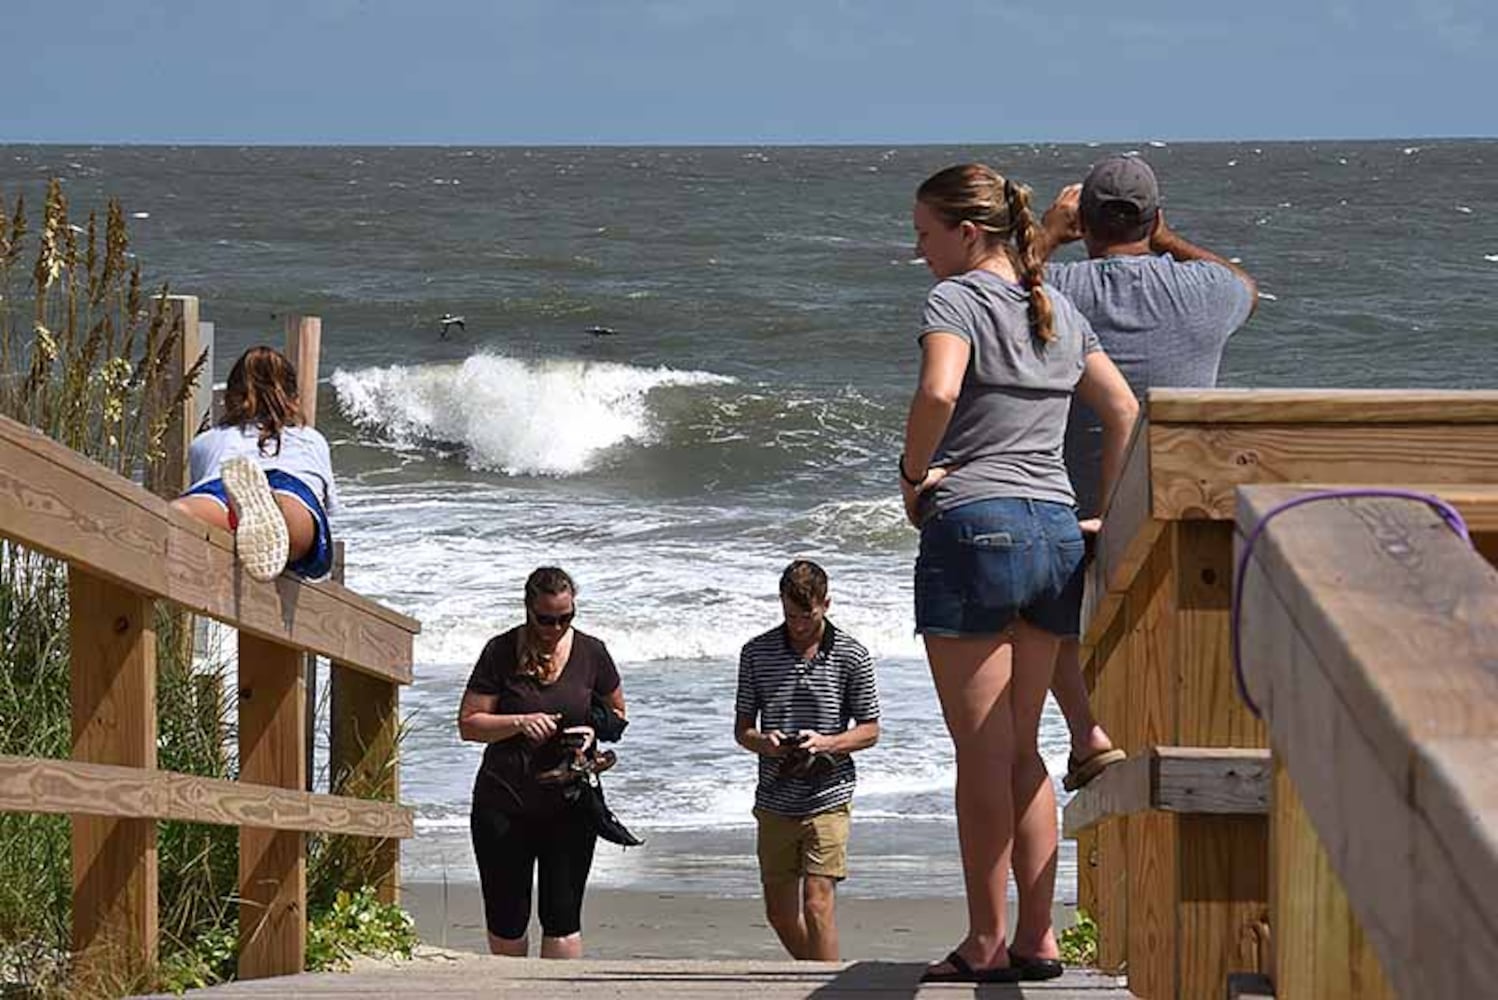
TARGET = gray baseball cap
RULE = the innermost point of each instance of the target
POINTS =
(1121, 180)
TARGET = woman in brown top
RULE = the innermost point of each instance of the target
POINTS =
(531, 685)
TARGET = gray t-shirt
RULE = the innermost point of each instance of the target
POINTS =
(1006, 433)
(304, 454)
(1163, 322)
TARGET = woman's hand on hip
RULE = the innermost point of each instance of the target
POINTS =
(911, 494)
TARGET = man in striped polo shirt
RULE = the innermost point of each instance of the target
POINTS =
(800, 684)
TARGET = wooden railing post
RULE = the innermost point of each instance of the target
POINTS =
(168, 477)
(113, 694)
(272, 863)
(303, 347)
(1320, 949)
(363, 755)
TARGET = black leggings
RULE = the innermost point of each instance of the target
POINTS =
(507, 849)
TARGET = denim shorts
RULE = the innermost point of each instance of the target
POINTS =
(986, 563)
(317, 564)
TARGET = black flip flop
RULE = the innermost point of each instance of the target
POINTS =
(1034, 970)
(963, 972)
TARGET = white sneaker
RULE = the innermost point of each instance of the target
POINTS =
(260, 539)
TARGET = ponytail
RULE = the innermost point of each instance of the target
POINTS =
(1029, 264)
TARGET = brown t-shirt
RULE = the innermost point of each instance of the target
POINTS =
(507, 775)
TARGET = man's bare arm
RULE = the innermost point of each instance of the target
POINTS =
(1165, 240)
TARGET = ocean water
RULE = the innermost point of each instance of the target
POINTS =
(748, 410)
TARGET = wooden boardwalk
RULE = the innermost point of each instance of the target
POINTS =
(452, 976)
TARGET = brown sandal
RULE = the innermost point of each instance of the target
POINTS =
(1080, 772)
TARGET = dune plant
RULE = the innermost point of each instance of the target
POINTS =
(83, 358)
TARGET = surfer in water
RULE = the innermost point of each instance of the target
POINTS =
(449, 321)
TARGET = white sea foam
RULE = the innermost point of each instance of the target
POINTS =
(1491, 257)
(518, 417)
(1464, 209)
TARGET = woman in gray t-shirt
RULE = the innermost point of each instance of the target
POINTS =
(998, 580)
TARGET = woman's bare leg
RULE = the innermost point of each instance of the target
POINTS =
(300, 525)
(205, 509)
(1034, 798)
(1087, 736)
(509, 947)
(570, 946)
(972, 676)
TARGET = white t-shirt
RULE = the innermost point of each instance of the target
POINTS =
(304, 454)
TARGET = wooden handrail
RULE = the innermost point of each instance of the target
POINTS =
(1323, 406)
(1212, 781)
(1369, 636)
(127, 550)
(1175, 891)
(65, 787)
(56, 501)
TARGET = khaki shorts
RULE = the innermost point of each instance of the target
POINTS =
(793, 846)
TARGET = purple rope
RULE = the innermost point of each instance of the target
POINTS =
(1447, 512)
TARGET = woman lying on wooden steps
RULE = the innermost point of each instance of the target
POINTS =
(264, 475)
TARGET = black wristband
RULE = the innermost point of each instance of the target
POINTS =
(906, 476)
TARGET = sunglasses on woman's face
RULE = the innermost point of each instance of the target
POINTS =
(552, 621)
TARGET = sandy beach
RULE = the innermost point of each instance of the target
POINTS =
(624, 924)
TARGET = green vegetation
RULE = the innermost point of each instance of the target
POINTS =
(1079, 941)
(358, 924)
(84, 360)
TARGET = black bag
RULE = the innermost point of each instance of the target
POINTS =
(602, 817)
(607, 724)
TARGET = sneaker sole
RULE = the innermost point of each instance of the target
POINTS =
(261, 540)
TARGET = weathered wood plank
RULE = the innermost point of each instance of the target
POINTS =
(1109, 697)
(363, 750)
(1455, 795)
(1148, 653)
(1372, 586)
(113, 695)
(272, 863)
(1365, 590)
(1154, 886)
(167, 477)
(482, 976)
(1195, 468)
(1112, 913)
(1322, 406)
(1209, 712)
(1205, 780)
(1224, 885)
(56, 501)
(1321, 950)
(304, 348)
(1129, 534)
(33, 785)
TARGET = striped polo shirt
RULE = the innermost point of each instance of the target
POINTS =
(780, 690)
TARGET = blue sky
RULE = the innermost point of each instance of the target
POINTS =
(743, 71)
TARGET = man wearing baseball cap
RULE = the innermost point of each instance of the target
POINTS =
(1163, 309)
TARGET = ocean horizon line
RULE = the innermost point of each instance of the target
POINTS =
(572, 144)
